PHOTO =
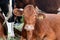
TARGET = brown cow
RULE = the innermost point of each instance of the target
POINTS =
(37, 27)
(49, 20)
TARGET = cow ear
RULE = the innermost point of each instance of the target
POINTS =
(40, 16)
(18, 12)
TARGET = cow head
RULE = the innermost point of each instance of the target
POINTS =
(29, 17)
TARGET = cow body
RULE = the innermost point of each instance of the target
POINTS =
(49, 27)
(54, 22)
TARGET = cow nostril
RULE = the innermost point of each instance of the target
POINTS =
(27, 27)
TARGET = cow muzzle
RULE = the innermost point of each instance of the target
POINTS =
(29, 27)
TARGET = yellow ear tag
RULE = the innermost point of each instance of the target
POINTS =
(40, 17)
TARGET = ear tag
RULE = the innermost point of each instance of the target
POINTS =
(40, 17)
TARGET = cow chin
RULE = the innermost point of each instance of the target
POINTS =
(29, 27)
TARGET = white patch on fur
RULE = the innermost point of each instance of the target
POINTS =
(21, 9)
(58, 11)
(10, 29)
(10, 9)
(29, 27)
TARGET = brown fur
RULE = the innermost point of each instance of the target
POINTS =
(54, 23)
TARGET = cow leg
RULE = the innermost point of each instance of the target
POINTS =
(50, 35)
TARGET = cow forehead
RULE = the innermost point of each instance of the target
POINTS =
(29, 11)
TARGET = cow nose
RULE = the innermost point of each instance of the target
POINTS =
(29, 27)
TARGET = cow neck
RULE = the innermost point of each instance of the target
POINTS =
(37, 28)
